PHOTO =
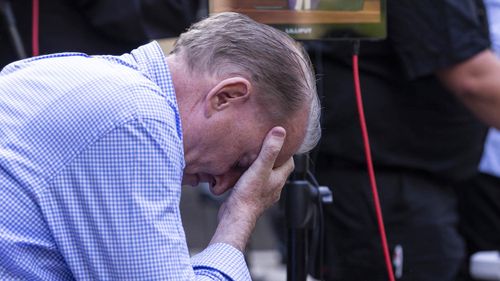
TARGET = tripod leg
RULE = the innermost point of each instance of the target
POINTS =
(7, 13)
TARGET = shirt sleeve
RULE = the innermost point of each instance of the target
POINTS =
(221, 261)
(114, 211)
(429, 35)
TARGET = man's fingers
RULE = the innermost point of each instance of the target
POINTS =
(271, 148)
(282, 172)
(287, 168)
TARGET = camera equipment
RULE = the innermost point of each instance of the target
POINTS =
(314, 19)
(303, 201)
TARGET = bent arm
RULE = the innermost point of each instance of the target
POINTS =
(124, 222)
(476, 82)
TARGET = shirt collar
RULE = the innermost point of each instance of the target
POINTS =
(151, 61)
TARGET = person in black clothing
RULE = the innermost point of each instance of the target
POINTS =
(479, 197)
(95, 27)
(429, 89)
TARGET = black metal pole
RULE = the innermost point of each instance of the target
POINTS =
(298, 213)
(303, 201)
(296, 260)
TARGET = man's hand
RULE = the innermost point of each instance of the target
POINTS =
(257, 189)
(260, 186)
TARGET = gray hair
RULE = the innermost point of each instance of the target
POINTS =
(230, 43)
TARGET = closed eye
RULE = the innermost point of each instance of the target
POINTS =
(239, 166)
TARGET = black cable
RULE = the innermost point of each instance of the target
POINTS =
(312, 178)
(321, 230)
(316, 249)
(6, 11)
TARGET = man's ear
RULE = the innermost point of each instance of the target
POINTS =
(228, 92)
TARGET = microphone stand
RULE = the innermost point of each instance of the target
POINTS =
(301, 198)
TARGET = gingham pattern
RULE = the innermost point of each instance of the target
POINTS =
(91, 161)
(490, 161)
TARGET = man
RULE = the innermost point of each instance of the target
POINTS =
(479, 196)
(426, 89)
(93, 151)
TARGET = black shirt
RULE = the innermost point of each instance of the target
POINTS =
(95, 27)
(413, 121)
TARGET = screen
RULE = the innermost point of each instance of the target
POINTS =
(314, 19)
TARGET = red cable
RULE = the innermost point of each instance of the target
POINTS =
(35, 28)
(371, 172)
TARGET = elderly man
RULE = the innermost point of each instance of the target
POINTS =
(94, 150)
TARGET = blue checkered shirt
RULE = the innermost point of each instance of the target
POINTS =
(91, 162)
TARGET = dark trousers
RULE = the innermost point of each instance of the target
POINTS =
(420, 215)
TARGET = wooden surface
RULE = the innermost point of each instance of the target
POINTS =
(369, 14)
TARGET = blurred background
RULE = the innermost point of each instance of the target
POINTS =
(199, 215)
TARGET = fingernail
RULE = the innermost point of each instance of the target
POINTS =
(279, 133)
